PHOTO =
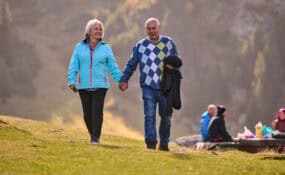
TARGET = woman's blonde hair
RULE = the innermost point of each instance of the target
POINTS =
(91, 24)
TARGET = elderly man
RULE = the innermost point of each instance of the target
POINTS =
(149, 53)
(205, 120)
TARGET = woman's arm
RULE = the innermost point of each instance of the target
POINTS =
(274, 124)
(113, 66)
(73, 68)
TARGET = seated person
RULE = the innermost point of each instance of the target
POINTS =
(279, 122)
(217, 129)
(205, 120)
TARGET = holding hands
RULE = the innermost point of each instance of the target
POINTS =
(123, 86)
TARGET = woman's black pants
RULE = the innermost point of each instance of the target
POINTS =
(93, 104)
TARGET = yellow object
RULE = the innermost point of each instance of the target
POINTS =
(258, 130)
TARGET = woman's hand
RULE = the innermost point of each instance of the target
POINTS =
(273, 124)
(73, 88)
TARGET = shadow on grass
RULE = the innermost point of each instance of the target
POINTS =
(3, 122)
(7, 126)
(274, 158)
(181, 156)
(37, 146)
(110, 146)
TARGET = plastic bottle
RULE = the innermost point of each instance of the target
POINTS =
(258, 130)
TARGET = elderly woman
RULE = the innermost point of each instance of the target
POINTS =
(90, 63)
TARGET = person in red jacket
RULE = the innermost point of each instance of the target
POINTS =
(279, 122)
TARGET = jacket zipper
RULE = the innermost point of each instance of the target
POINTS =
(91, 63)
(105, 76)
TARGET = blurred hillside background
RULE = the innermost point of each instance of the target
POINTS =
(233, 53)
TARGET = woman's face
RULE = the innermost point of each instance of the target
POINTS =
(96, 32)
(282, 115)
(224, 114)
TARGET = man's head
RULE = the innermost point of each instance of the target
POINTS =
(152, 28)
(212, 110)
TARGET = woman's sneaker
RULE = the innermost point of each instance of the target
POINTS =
(94, 140)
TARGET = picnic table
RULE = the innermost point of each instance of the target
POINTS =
(251, 145)
(254, 145)
(262, 142)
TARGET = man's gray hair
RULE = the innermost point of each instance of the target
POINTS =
(91, 24)
(151, 20)
(212, 106)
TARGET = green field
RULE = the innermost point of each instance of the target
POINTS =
(30, 147)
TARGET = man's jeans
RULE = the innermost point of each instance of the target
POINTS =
(152, 97)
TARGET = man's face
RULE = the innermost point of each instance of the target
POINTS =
(212, 111)
(152, 30)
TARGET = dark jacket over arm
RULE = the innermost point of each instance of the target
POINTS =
(170, 84)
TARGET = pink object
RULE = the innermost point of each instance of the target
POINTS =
(280, 110)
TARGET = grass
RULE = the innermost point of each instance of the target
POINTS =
(30, 147)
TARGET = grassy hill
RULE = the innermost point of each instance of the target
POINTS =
(31, 147)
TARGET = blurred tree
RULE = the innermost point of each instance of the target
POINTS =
(18, 64)
(232, 51)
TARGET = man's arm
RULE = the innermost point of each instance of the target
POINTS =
(130, 66)
(204, 128)
(174, 50)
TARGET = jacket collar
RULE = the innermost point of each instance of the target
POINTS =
(86, 40)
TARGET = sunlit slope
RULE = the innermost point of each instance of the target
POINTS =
(112, 125)
(32, 147)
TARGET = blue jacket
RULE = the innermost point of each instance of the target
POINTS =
(204, 123)
(92, 66)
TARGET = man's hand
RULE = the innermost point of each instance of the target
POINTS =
(73, 88)
(169, 66)
(123, 86)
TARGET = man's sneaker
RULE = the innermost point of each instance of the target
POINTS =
(151, 146)
(163, 148)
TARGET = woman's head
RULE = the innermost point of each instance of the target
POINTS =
(281, 114)
(221, 111)
(95, 29)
